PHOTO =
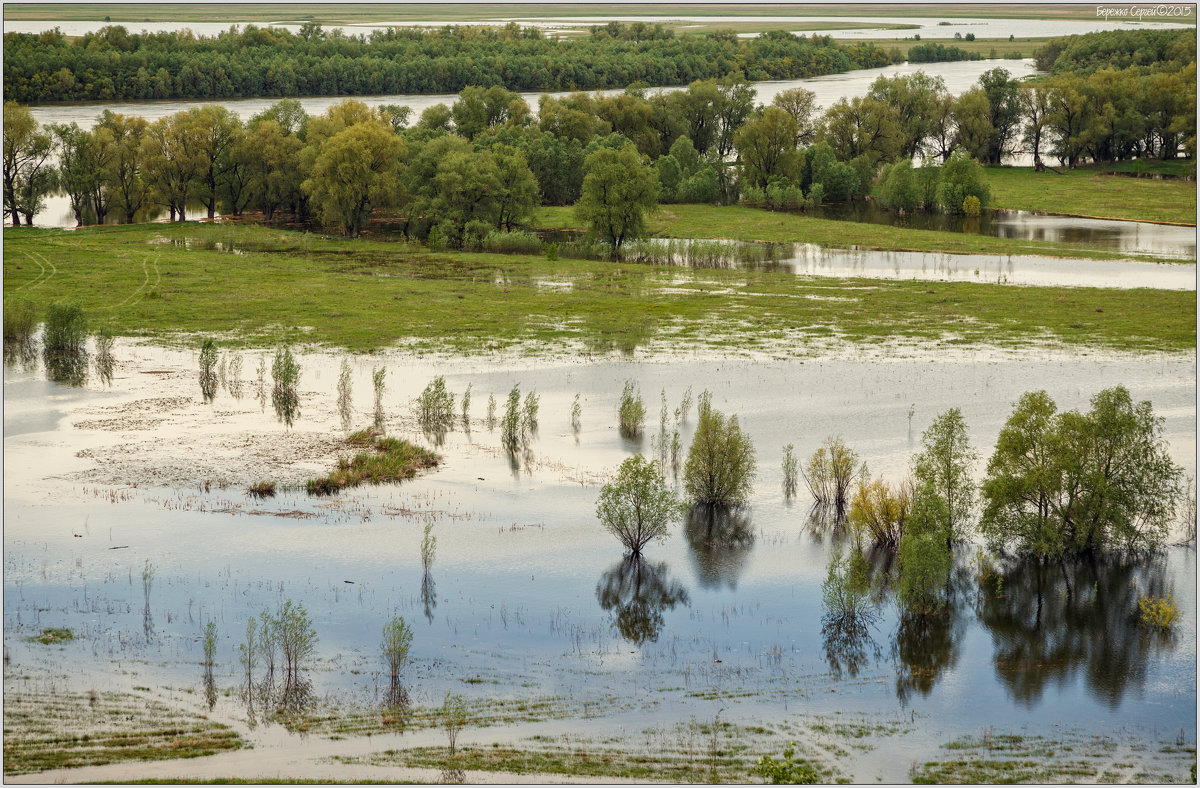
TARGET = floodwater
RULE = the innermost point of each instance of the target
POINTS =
(1118, 236)
(527, 596)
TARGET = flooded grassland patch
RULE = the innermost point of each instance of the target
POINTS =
(66, 730)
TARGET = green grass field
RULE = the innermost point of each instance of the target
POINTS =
(172, 282)
(739, 223)
(1089, 191)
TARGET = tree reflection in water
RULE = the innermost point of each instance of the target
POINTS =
(428, 595)
(721, 539)
(927, 646)
(638, 592)
(1054, 619)
(848, 643)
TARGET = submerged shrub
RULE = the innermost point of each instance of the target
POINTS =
(20, 321)
(791, 470)
(66, 328)
(529, 414)
(720, 466)
(389, 460)
(631, 413)
(879, 512)
(846, 590)
(435, 406)
(510, 425)
(637, 506)
(208, 370)
(787, 771)
(924, 566)
(829, 472)
(285, 396)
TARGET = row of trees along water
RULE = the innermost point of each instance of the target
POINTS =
(481, 165)
(113, 64)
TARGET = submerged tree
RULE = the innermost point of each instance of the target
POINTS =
(720, 466)
(285, 396)
(397, 639)
(943, 491)
(618, 190)
(637, 506)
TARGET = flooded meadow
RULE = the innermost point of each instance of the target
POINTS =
(128, 522)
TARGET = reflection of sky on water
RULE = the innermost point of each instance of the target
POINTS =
(520, 561)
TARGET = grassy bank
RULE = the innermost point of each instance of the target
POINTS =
(984, 46)
(1091, 191)
(255, 285)
(736, 222)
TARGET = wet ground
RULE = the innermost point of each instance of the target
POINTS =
(526, 596)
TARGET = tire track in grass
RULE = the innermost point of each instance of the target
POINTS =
(140, 292)
(42, 276)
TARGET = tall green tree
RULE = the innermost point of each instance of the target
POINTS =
(356, 171)
(619, 188)
(944, 492)
(637, 506)
(766, 146)
(720, 466)
(123, 173)
(28, 173)
(215, 131)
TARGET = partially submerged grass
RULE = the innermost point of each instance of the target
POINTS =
(1093, 191)
(49, 637)
(390, 460)
(362, 295)
(740, 223)
(262, 490)
(63, 731)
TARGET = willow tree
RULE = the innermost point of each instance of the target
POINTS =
(356, 171)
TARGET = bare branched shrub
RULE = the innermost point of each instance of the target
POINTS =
(454, 717)
(830, 472)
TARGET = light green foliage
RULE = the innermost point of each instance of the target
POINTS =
(846, 590)
(466, 404)
(379, 380)
(208, 370)
(20, 321)
(1071, 482)
(962, 176)
(800, 104)
(766, 147)
(529, 413)
(210, 645)
(435, 406)
(880, 512)
(491, 411)
(791, 471)
(285, 396)
(576, 415)
(510, 425)
(971, 206)
(720, 466)
(355, 172)
(66, 329)
(830, 471)
(685, 405)
(637, 506)
(397, 639)
(454, 717)
(924, 567)
(787, 770)
(618, 190)
(631, 413)
(297, 639)
(944, 492)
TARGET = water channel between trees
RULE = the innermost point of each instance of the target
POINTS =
(526, 595)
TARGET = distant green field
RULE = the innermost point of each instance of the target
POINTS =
(474, 12)
(1089, 191)
(173, 282)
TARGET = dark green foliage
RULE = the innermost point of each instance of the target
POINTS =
(1072, 482)
(285, 397)
(1167, 50)
(787, 771)
(939, 53)
(961, 176)
(112, 64)
(899, 189)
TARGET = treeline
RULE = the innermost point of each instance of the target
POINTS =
(113, 64)
(939, 53)
(1157, 50)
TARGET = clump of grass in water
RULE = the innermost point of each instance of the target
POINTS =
(435, 406)
(284, 396)
(49, 637)
(261, 490)
(208, 370)
(510, 425)
(234, 382)
(391, 460)
(491, 412)
(631, 413)
(63, 344)
(576, 416)
(466, 407)
(20, 321)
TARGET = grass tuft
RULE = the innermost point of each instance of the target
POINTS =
(390, 460)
